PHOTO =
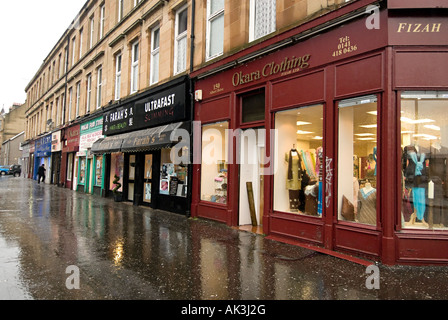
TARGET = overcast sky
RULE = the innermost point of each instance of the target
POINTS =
(29, 29)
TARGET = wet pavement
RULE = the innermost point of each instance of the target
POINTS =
(125, 252)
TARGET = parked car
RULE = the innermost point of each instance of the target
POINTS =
(15, 170)
(4, 170)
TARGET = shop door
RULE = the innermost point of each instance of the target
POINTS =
(251, 150)
(131, 176)
(148, 179)
(56, 159)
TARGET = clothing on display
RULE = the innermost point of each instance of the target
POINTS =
(416, 181)
(367, 205)
(294, 179)
(302, 177)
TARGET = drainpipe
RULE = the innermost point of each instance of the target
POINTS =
(66, 77)
(191, 89)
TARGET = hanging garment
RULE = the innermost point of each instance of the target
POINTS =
(406, 207)
(319, 200)
(294, 175)
(418, 195)
(415, 172)
(294, 201)
(367, 206)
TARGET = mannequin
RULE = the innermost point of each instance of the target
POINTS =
(294, 178)
(416, 179)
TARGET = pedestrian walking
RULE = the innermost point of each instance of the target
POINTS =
(41, 173)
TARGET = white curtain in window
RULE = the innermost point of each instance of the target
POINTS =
(265, 17)
(181, 54)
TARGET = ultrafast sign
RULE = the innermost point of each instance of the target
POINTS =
(167, 106)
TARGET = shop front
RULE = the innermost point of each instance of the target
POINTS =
(146, 148)
(90, 166)
(70, 146)
(56, 153)
(42, 156)
(312, 144)
(26, 158)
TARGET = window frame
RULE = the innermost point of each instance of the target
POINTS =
(88, 93)
(99, 86)
(210, 17)
(362, 99)
(92, 31)
(135, 66)
(120, 10)
(70, 98)
(252, 19)
(178, 37)
(78, 98)
(102, 21)
(118, 58)
(155, 52)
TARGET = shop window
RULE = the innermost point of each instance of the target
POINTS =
(424, 169)
(357, 160)
(70, 167)
(298, 178)
(116, 168)
(98, 171)
(82, 170)
(253, 108)
(214, 163)
(173, 175)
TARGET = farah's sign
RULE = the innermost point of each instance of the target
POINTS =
(167, 106)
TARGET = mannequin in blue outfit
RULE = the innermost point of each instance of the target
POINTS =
(416, 179)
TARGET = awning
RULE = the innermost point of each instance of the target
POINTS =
(141, 140)
(107, 145)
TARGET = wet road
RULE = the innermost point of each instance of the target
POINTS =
(128, 252)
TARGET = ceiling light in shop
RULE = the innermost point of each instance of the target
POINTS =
(302, 123)
(365, 139)
(304, 132)
(364, 134)
(317, 138)
(410, 121)
(432, 127)
(425, 136)
(369, 126)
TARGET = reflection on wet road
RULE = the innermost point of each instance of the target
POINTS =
(128, 252)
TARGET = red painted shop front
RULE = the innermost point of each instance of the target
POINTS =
(308, 142)
(70, 146)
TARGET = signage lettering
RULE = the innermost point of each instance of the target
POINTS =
(419, 27)
(160, 103)
(167, 106)
(293, 64)
(344, 47)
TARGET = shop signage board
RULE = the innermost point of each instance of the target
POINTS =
(43, 147)
(71, 143)
(56, 141)
(91, 131)
(167, 106)
(420, 30)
